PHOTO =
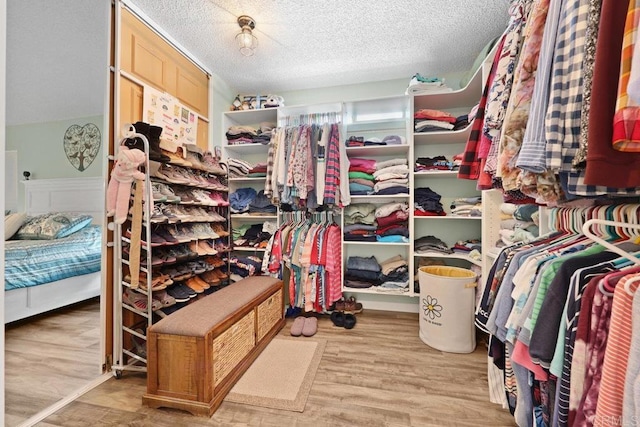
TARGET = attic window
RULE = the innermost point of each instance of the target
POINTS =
(374, 117)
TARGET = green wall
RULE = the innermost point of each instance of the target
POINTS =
(40, 150)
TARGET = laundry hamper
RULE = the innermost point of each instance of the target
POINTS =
(447, 298)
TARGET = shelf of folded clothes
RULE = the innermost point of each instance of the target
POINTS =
(379, 150)
(442, 137)
(449, 256)
(365, 274)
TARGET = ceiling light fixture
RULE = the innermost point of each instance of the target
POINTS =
(245, 38)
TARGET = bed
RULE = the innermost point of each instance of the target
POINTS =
(43, 275)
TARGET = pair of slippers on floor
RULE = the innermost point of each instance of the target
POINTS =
(307, 326)
(343, 320)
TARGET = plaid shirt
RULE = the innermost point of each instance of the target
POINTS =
(531, 157)
(470, 164)
(332, 173)
(626, 122)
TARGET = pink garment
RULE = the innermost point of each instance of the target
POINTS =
(596, 343)
(614, 370)
(520, 355)
(363, 163)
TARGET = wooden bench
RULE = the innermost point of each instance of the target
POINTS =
(197, 354)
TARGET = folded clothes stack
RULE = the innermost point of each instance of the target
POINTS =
(421, 85)
(261, 205)
(389, 275)
(254, 236)
(392, 177)
(518, 223)
(244, 266)
(360, 141)
(467, 206)
(437, 163)
(239, 135)
(238, 168)
(427, 203)
(361, 180)
(392, 224)
(430, 244)
(359, 222)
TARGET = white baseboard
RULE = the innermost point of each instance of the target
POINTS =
(386, 302)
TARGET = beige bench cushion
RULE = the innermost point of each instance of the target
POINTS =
(198, 318)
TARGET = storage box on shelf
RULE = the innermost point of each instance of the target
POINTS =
(181, 256)
(443, 180)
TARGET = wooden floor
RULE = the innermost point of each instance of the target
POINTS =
(48, 357)
(377, 374)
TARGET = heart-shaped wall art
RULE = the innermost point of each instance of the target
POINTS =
(81, 145)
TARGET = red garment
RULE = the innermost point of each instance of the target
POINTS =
(606, 166)
(418, 212)
(394, 218)
(470, 165)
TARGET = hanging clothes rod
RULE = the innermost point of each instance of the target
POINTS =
(586, 230)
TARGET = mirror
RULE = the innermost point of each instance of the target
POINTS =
(57, 77)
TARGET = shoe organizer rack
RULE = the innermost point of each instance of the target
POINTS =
(174, 244)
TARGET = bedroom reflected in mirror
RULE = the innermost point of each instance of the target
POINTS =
(56, 86)
(53, 257)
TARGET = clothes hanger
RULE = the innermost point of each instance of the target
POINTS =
(586, 230)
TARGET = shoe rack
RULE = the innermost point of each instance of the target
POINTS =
(173, 250)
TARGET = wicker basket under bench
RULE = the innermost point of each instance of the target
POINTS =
(197, 354)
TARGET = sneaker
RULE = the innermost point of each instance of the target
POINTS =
(171, 174)
(168, 193)
(156, 193)
(167, 236)
(173, 213)
(155, 239)
(194, 159)
(178, 293)
(164, 298)
(218, 199)
(207, 247)
(165, 256)
(204, 231)
(212, 165)
(215, 261)
(188, 290)
(139, 301)
(195, 247)
(186, 198)
(176, 233)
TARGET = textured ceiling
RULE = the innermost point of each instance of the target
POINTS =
(57, 50)
(316, 43)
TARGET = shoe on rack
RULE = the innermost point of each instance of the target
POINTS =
(195, 247)
(196, 267)
(168, 193)
(201, 282)
(139, 301)
(219, 230)
(167, 236)
(156, 193)
(178, 293)
(139, 344)
(351, 306)
(155, 153)
(164, 298)
(194, 286)
(170, 174)
(211, 278)
(155, 239)
(212, 164)
(207, 248)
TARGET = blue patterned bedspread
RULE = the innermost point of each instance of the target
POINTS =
(34, 262)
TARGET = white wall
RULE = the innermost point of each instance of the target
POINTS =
(40, 150)
(220, 99)
(357, 91)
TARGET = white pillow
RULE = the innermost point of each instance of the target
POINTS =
(12, 224)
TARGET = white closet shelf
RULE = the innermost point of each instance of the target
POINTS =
(248, 249)
(376, 292)
(378, 150)
(247, 148)
(252, 117)
(442, 137)
(448, 217)
(348, 242)
(435, 174)
(379, 198)
(467, 96)
(253, 217)
(449, 256)
(257, 179)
